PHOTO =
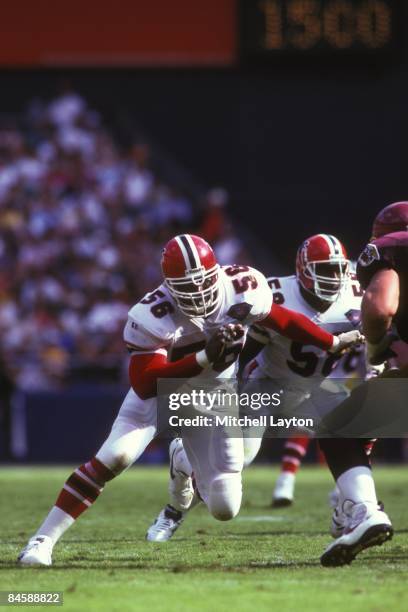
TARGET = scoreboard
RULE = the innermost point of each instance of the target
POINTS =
(317, 27)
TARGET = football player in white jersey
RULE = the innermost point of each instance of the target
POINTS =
(325, 292)
(351, 365)
(193, 325)
(335, 305)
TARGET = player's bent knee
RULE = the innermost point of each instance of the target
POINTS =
(225, 497)
(117, 462)
(224, 513)
(122, 462)
(224, 509)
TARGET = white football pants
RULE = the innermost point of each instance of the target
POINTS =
(216, 459)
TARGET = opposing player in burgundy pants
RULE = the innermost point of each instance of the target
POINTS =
(383, 272)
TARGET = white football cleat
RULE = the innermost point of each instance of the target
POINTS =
(342, 516)
(181, 488)
(284, 491)
(338, 523)
(165, 525)
(366, 526)
(334, 498)
(37, 552)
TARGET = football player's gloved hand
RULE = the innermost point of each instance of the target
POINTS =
(346, 340)
(224, 335)
(381, 351)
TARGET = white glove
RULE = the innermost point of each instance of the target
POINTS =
(346, 340)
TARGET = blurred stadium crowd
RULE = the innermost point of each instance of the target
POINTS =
(82, 224)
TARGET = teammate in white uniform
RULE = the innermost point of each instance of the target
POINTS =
(352, 365)
(335, 306)
(323, 291)
(201, 311)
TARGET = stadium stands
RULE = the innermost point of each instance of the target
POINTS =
(82, 223)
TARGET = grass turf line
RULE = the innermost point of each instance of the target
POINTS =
(264, 558)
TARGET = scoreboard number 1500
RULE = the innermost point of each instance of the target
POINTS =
(317, 25)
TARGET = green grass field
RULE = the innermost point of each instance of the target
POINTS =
(263, 559)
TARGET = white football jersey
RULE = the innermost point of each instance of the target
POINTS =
(295, 362)
(157, 325)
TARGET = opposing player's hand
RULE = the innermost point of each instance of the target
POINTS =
(347, 340)
(223, 336)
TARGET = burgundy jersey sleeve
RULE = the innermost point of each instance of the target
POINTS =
(388, 252)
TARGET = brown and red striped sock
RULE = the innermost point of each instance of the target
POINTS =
(293, 453)
(79, 492)
(83, 487)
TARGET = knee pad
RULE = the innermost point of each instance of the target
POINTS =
(225, 495)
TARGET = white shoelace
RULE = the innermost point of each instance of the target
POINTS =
(164, 523)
